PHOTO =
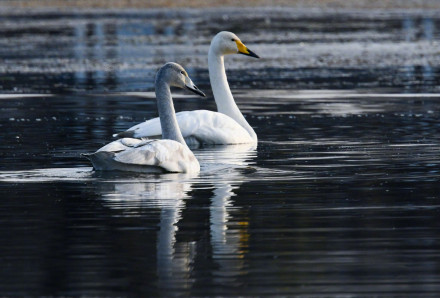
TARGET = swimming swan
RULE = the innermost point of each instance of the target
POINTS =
(228, 125)
(170, 154)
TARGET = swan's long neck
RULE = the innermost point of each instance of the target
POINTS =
(222, 94)
(167, 114)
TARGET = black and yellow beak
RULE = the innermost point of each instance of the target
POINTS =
(242, 49)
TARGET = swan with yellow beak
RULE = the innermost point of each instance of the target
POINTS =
(228, 125)
(242, 49)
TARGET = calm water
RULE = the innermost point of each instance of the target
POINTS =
(340, 198)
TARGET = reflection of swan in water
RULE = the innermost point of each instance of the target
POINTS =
(170, 193)
(167, 193)
(225, 181)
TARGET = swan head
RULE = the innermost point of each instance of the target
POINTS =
(226, 43)
(175, 75)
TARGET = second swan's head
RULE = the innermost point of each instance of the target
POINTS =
(225, 43)
(175, 75)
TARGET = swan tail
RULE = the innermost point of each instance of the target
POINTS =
(100, 160)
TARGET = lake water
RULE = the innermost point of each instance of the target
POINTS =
(339, 198)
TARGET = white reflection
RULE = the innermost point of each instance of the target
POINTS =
(222, 169)
(153, 192)
(166, 192)
(227, 244)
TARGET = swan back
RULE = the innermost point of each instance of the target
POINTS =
(147, 156)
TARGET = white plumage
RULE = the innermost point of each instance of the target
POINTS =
(228, 125)
(200, 126)
(170, 154)
(150, 156)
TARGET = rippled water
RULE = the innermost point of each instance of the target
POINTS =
(341, 196)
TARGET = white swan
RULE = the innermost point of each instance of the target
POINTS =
(170, 154)
(228, 125)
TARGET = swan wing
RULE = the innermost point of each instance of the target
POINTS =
(130, 154)
(120, 145)
(147, 129)
(210, 127)
(205, 126)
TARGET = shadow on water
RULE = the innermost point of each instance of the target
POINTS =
(339, 198)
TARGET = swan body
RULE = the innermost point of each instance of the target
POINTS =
(228, 125)
(169, 154)
(147, 156)
(198, 127)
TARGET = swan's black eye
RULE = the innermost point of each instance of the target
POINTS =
(232, 39)
(182, 72)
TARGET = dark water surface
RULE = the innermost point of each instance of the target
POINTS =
(340, 198)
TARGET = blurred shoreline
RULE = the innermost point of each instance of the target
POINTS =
(118, 48)
(142, 4)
